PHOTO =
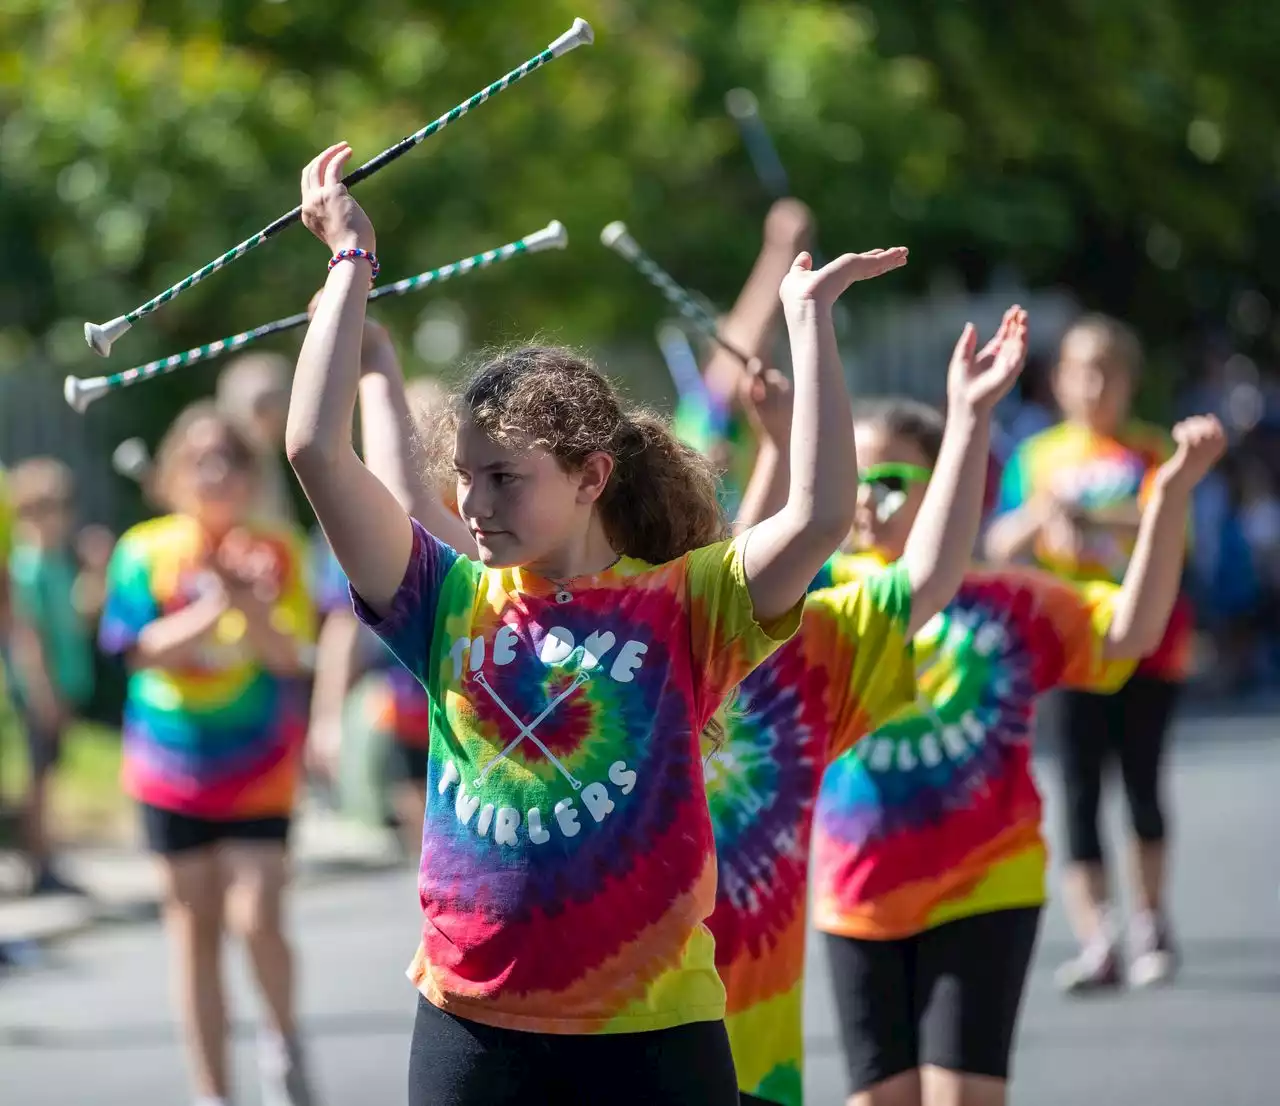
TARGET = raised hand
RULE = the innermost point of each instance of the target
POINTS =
(765, 394)
(789, 222)
(328, 210)
(979, 380)
(802, 287)
(1200, 442)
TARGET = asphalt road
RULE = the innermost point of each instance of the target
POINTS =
(92, 1024)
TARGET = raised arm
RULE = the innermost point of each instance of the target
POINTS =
(766, 396)
(367, 528)
(751, 324)
(386, 431)
(786, 550)
(940, 546)
(1151, 582)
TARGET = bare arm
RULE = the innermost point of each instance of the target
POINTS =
(786, 550)
(940, 545)
(752, 323)
(766, 396)
(335, 673)
(174, 640)
(1152, 580)
(30, 661)
(1013, 534)
(386, 430)
(367, 528)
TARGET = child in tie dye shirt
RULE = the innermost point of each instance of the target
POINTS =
(1070, 498)
(929, 861)
(568, 865)
(848, 670)
(213, 613)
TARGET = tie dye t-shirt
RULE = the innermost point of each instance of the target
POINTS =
(221, 738)
(935, 816)
(846, 671)
(568, 866)
(1098, 474)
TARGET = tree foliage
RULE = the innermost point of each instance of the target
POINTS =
(1129, 149)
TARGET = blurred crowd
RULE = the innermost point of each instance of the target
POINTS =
(55, 588)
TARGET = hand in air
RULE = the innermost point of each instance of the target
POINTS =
(789, 223)
(765, 394)
(1201, 442)
(979, 380)
(328, 209)
(802, 287)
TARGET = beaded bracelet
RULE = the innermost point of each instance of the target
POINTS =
(351, 255)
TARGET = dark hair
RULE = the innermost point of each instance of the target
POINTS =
(172, 445)
(905, 418)
(1120, 336)
(661, 500)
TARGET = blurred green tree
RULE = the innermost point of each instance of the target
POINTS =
(1127, 149)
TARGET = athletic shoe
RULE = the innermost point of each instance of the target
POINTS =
(283, 1072)
(1153, 959)
(1096, 968)
(48, 882)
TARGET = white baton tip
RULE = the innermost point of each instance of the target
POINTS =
(80, 393)
(615, 234)
(580, 34)
(741, 103)
(101, 336)
(551, 237)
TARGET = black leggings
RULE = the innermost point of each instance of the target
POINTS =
(455, 1062)
(1130, 725)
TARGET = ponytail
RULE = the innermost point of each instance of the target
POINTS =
(661, 501)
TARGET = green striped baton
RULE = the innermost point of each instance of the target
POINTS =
(617, 238)
(101, 336)
(79, 393)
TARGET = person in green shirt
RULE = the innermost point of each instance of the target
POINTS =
(52, 665)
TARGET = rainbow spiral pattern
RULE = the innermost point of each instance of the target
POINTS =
(848, 669)
(220, 738)
(568, 865)
(1096, 473)
(935, 815)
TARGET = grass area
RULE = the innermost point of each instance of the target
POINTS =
(88, 804)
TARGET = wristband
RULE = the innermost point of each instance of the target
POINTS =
(351, 255)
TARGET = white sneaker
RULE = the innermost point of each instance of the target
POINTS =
(283, 1072)
(1153, 959)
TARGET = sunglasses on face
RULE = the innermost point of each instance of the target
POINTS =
(890, 484)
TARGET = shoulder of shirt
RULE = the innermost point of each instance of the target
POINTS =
(1027, 578)
(1047, 438)
(157, 531)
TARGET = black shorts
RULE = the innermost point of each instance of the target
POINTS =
(947, 997)
(406, 764)
(455, 1062)
(169, 832)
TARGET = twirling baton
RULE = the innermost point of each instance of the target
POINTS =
(101, 336)
(79, 393)
(618, 239)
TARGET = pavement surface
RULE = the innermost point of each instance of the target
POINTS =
(89, 1021)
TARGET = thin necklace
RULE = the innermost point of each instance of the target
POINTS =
(564, 595)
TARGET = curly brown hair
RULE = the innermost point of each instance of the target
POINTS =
(660, 501)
